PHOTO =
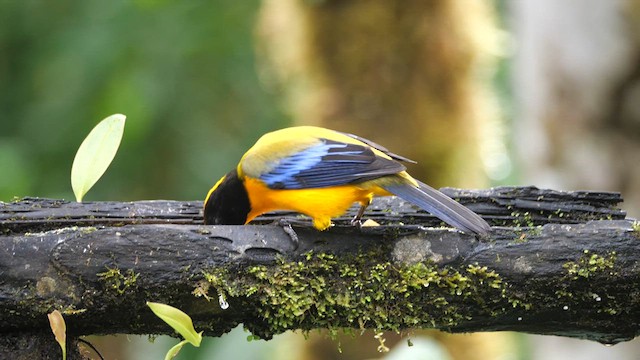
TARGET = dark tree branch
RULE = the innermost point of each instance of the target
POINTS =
(563, 263)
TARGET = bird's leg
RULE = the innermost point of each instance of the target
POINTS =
(286, 227)
(357, 220)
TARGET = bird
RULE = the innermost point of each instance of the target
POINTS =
(321, 173)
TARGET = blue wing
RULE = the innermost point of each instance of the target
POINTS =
(329, 163)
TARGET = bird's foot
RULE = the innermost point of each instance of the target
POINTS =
(288, 229)
(356, 222)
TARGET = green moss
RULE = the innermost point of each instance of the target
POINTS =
(202, 289)
(306, 294)
(82, 230)
(587, 280)
(115, 280)
(522, 219)
(525, 220)
(590, 264)
(636, 228)
(71, 310)
(88, 229)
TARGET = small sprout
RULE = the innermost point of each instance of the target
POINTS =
(96, 153)
(173, 352)
(382, 347)
(202, 289)
(180, 322)
(59, 329)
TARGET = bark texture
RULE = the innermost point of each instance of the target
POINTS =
(563, 263)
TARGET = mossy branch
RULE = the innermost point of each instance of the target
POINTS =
(563, 263)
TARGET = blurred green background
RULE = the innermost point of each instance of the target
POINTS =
(182, 72)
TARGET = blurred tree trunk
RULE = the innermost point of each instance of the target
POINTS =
(577, 82)
(577, 85)
(410, 75)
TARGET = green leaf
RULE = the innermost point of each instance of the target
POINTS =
(178, 320)
(175, 350)
(59, 329)
(96, 153)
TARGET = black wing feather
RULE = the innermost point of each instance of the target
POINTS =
(329, 163)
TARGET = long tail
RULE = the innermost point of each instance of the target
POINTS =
(440, 205)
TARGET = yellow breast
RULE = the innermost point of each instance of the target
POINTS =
(321, 204)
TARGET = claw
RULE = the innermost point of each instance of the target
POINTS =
(357, 220)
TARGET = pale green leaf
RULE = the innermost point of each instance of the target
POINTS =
(59, 329)
(96, 153)
(178, 320)
(175, 350)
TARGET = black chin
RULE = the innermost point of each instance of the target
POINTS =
(229, 203)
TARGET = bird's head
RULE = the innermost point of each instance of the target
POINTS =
(227, 202)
